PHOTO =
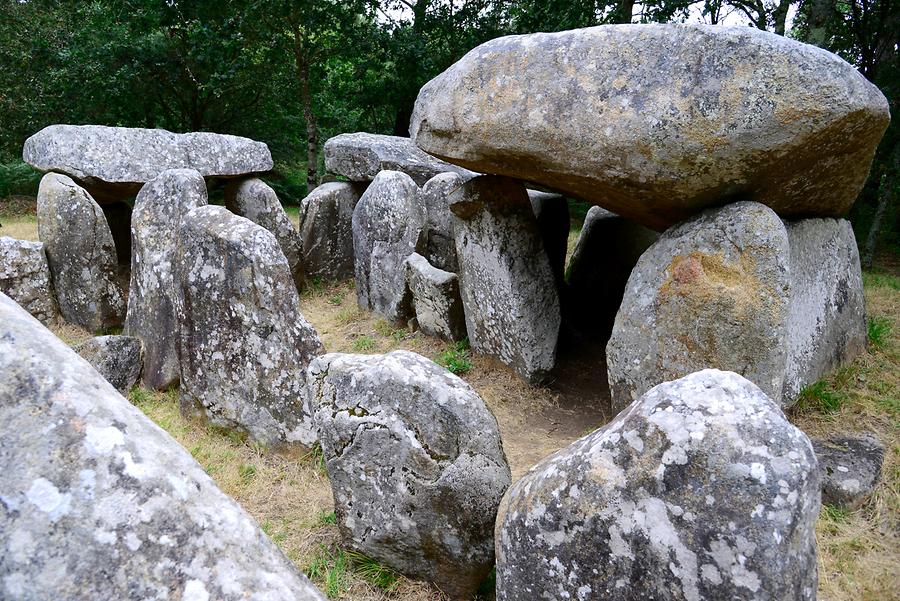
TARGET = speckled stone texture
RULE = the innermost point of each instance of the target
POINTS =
(713, 291)
(81, 254)
(361, 156)
(699, 490)
(117, 358)
(827, 322)
(257, 201)
(25, 278)
(510, 300)
(326, 230)
(656, 122)
(114, 162)
(440, 246)
(243, 343)
(415, 462)
(97, 502)
(436, 299)
(850, 467)
(155, 223)
(552, 214)
(388, 226)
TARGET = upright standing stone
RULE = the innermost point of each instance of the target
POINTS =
(438, 305)
(100, 503)
(243, 343)
(387, 228)
(440, 247)
(700, 490)
(25, 278)
(510, 301)
(415, 463)
(117, 358)
(552, 214)
(713, 291)
(81, 254)
(258, 202)
(326, 230)
(158, 211)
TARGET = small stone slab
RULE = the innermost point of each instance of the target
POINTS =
(850, 467)
(326, 230)
(25, 278)
(436, 299)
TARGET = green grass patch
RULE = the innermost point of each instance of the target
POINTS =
(364, 344)
(879, 328)
(820, 397)
(878, 279)
(326, 518)
(456, 358)
(373, 572)
(330, 570)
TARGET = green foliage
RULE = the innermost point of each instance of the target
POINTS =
(456, 357)
(879, 328)
(329, 569)
(247, 472)
(820, 397)
(364, 344)
(373, 572)
(326, 518)
(834, 514)
(18, 178)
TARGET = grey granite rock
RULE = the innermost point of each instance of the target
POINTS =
(81, 254)
(361, 156)
(510, 301)
(552, 214)
(850, 467)
(656, 122)
(436, 299)
(25, 278)
(117, 358)
(440, 247)
(415, 462)
(243, 343)
(114, 162)
(102, 503)
(326, 230)
(158, 211)
(699, 490)
(713, 291)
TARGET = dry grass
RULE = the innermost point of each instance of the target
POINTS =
(23, 227)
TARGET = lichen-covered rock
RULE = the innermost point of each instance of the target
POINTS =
(258, 202)
(510, 300)
(114, 162)
(699, 490)
(387, 227)
(552, 214)
(827, 322)
(656, 122)
(850, 468)
(326, 230)
(117, 358)
(415, 462)
(81, 254)
(436, 299)
(243, 343)
(440, 247)
(102, 503)
(361, 156)
(711, 292)
(25, 277)
(158, 211)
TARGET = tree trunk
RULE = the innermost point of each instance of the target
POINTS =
(312, 129)
(820, 12)
(624, 11)
(886, 191)
(779, 16)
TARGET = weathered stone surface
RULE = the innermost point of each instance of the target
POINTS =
(243, 343)
(607, 250)
(511, 305)
(81, 254)
(440, 247)
(117, 358)
(361, 156)
(25, 278)
(438, 305)
(100, 503)
(700, 490)
(656, 122)
(326, 230)
(711, 292)
(387, 227)
(118, 218)
(850, 468)
(158, 211)
(552, 214)
(827, 322)
(258, 202)
(415, 463)
(114, 162)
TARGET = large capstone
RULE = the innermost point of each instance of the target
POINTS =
(361, 156)
(100, 503)
(155, 224)
(850, 468)
(415, 463)
(656, 122)
(81, 254)
(387, 227)
(25, 278)
(326, 230)
(711, 292)
(116, 358)
(699, 490)
(438, 305)
(243, 343)
(258, 202)
(510, 300)
(114, 162)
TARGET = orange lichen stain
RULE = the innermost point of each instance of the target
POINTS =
(707, 279)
